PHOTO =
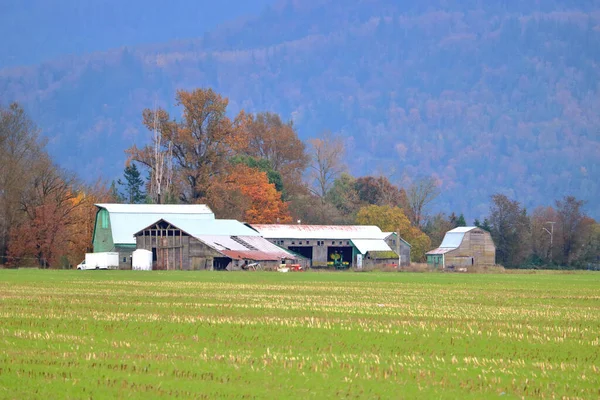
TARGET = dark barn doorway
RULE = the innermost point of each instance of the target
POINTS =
(306, 252)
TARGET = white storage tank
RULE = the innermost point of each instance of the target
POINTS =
(142, 260)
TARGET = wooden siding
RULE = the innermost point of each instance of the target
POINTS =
(477, 249)
(392, 241)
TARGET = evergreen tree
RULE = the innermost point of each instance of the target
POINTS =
(133, 193)
(115, 196)
(461, 221)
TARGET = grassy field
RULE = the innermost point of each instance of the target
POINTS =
(126, 334)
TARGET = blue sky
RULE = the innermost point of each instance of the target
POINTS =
(37, 30)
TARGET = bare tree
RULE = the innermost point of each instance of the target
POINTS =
(20, 152)
(327, 162)
(420, 195)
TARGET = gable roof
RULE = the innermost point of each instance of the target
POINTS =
(127, 219)
(229, 237)
(200, 227)
(388, 234)
(367, 245)
(277, 231)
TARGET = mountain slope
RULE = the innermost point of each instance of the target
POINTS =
(487, 97)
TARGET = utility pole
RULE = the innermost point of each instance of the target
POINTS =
(551, 233)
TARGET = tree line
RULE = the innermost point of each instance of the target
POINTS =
(253, 168)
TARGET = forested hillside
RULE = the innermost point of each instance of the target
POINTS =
(487, 96)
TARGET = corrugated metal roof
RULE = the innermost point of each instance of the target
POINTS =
(439, 250)
(452, 239)
(249, 247)
(366, 245)
(318, 231)
(215, 227)
(127, 219)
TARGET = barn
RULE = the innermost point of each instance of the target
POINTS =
(464, 247)
(186, 244)
(335, 246)
(400, 246)
(116, 224)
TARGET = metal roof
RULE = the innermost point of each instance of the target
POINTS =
(439, 250)
(454, 237)
(318, 231)
(127, 219)
(366, 245)
(246, 247)
(199, 227)
(463, 229)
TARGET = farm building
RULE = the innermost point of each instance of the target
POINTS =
(187, 244)
(332, 245)
(116, 224)
(464, 247)
(399, 245)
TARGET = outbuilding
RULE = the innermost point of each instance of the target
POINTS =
(116, 224)
(464, 247)
(183, 244)
(334, 246)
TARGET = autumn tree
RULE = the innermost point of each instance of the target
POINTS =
(546, 238)
(571, 219)
(246, 194)
(21, 152)
(344, 197)
(393, 219)
(48, 205)
(327, 162)
(420, 195)
(197, 147)
(436, 228)
(510, 230)
(264, 165)
(380, 191)
(81, 232)
(271, 139)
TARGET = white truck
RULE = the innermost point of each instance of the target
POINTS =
(106, 260)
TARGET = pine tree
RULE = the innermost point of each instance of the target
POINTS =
(461, 221)
(133, 193)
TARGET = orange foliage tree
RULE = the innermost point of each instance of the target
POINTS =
(48, 206)
(194, 149)
(246, 194)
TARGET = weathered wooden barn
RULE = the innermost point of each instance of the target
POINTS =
(335, 246)
(464, 247)
(400, 246)
(116, 224)
(182, 244)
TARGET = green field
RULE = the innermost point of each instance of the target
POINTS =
(129, 334)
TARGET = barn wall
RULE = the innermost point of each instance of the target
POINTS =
(476, 249)
(320, 248)
(392, 241)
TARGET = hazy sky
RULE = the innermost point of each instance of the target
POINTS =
(36, 30)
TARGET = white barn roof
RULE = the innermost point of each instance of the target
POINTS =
(318, 231)
(208, 227)
(454, 238)
(127, 219)
(366, 245)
